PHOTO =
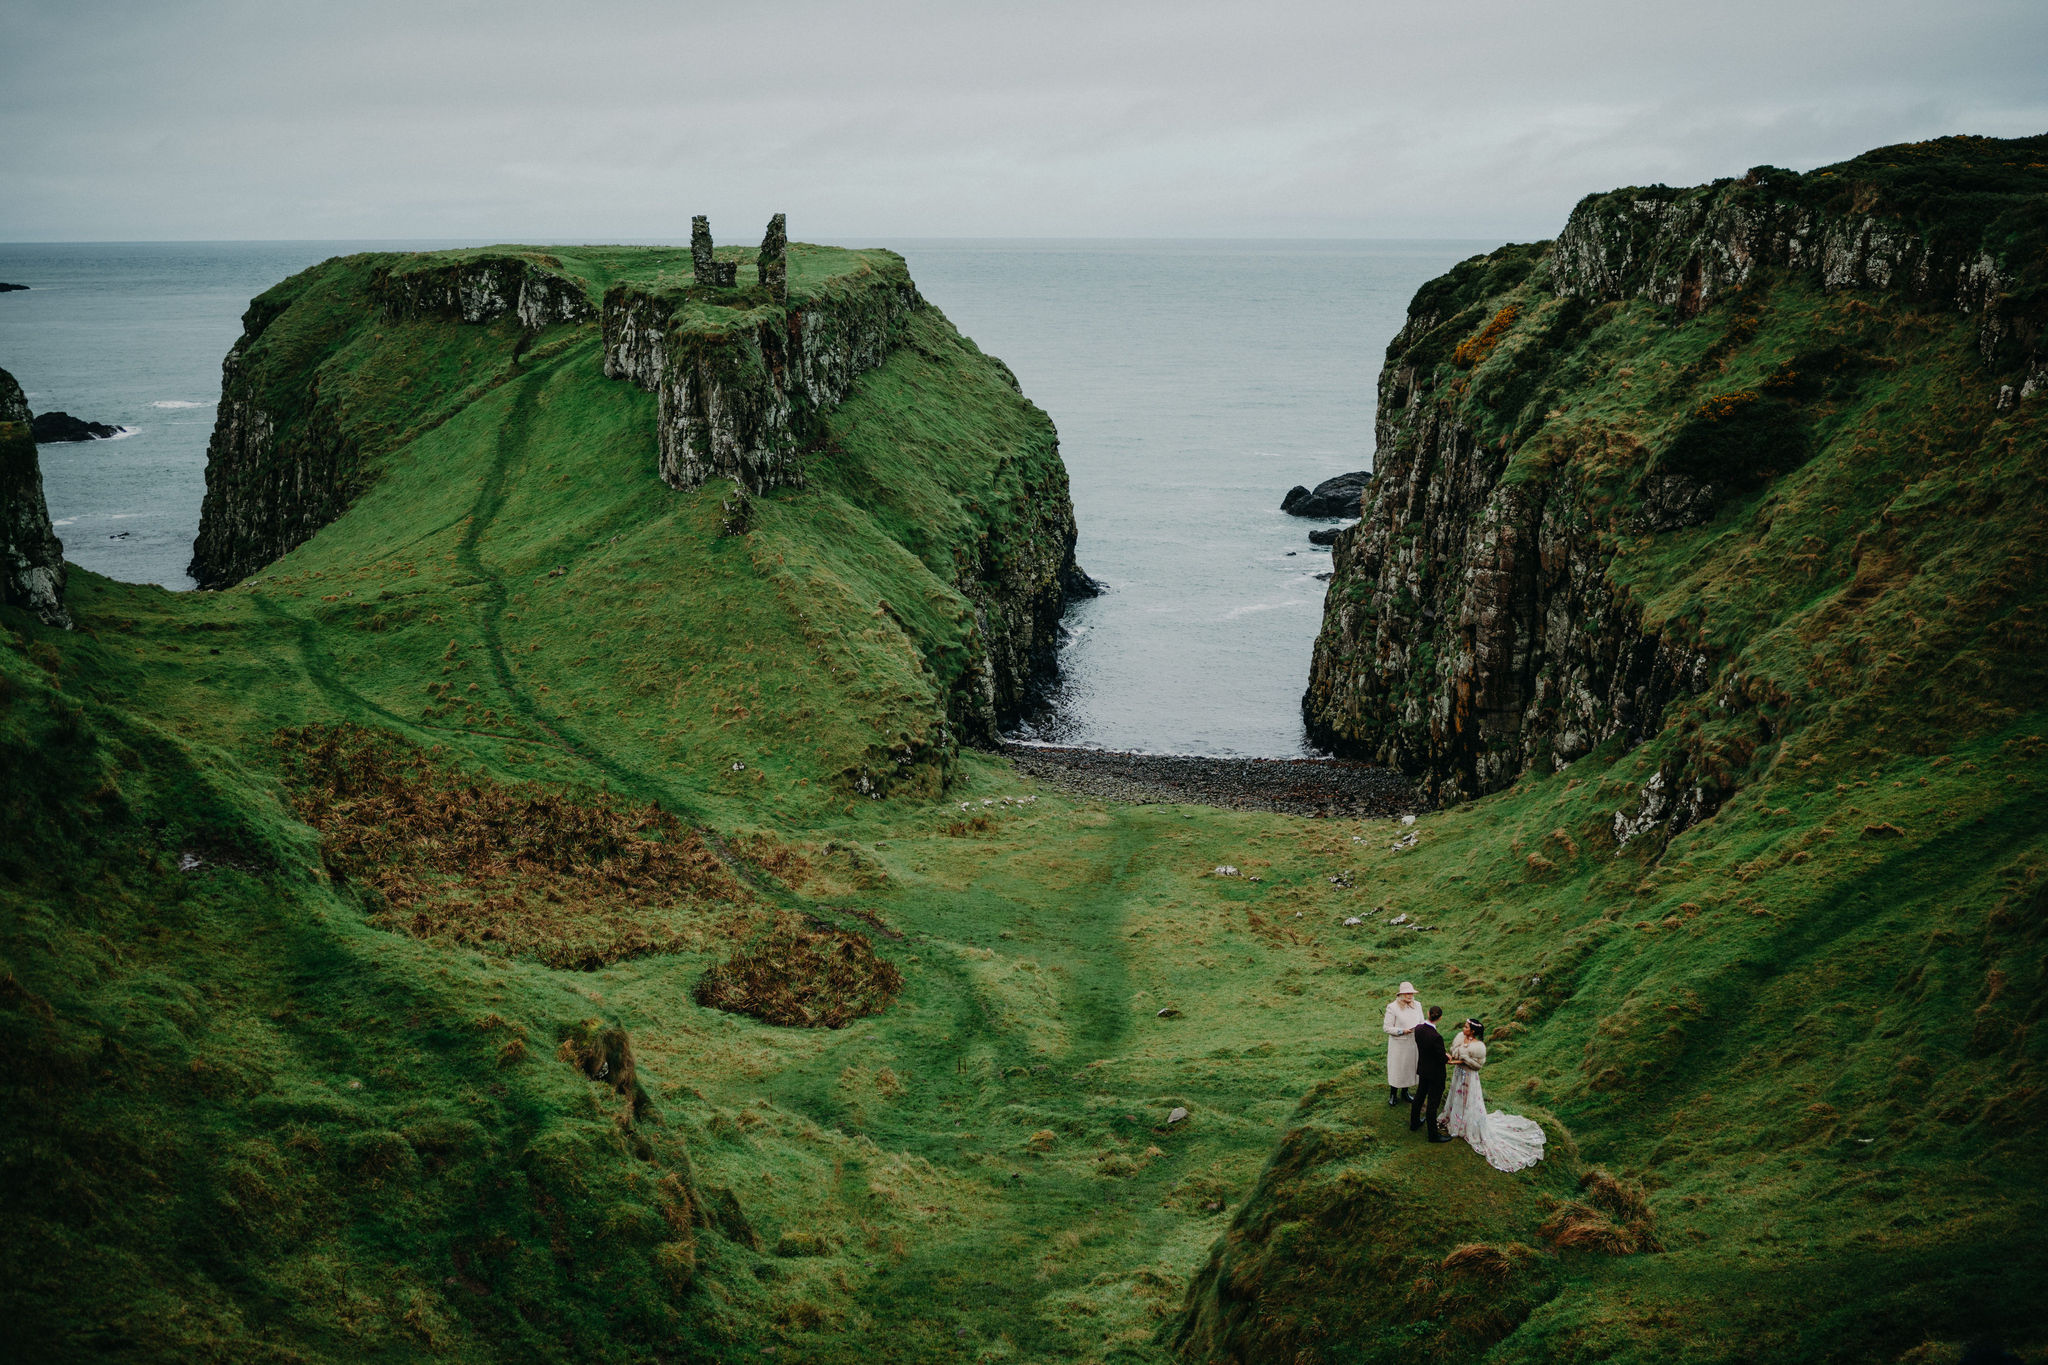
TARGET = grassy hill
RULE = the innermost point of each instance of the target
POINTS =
(355, 918)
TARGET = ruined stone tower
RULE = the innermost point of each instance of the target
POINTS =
(704, 267)
(772, 265)
(707, 270)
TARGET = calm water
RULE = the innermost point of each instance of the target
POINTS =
(1192, 383)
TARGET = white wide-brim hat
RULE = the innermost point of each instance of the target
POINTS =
(1407, 988)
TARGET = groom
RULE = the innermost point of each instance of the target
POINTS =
(1430, 1061)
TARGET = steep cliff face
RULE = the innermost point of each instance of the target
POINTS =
(530, 287)
(1727, 497)
(1547, 407)
(31, 556)
(741, 380)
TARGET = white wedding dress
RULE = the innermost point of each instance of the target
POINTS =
(1509, 1142)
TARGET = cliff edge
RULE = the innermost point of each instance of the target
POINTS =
(31, 556)
(1551, 416)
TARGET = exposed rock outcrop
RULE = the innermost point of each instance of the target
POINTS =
(1470, 628)
(528, 286)
(51, 428)
(1336, 497)
(771, 266)
(739, 389)
(31, 556)
(269, 485)
(1473, 627)
(282, 463)
(1688, 249)
(13, 402)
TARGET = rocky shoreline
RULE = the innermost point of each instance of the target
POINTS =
(1326, 788)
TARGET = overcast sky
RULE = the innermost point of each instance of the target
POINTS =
(603, 120)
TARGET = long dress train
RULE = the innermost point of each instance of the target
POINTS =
(1509, 1142)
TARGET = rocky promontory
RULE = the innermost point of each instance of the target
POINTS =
(346, 363)
(741, 377)
(31, 556)
(1670, 358)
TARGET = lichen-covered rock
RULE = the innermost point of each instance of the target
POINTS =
(739, 388)
(1470, 628)
(483, 290)
(1847, 227)
(31, 556)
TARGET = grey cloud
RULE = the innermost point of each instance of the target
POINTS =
(619, 120)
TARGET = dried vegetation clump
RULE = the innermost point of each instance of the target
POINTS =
(576, 880)
(1614, 1217)
(803, 974)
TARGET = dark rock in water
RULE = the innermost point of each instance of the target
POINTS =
(31, 556)
(13, 288)
(1076, 584)
(1326, 536)
(1338, 497)
(51, 427)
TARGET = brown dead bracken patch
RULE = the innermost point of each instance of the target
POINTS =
(1617, 1219)
(577, 880)
(803, 974)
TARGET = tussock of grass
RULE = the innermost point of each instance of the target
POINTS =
(574, 881)
(605, 1054)
(803, 975)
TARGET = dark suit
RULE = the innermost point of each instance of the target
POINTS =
(1430, 1062)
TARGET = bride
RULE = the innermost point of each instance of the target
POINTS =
(1509, 1142)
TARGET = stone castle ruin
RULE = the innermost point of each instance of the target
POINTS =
(771, 266)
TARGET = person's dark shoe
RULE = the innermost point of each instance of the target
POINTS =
(1415, 1127)
(1393, 1097)
(1439, 1136)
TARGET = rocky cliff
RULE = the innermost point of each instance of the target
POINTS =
(31, 556)
(288, 452)
(742, 380)
(1657, 368)
(530, 287)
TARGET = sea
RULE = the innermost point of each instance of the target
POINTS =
(1193, 382)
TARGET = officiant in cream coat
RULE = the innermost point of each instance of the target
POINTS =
(1401, 1018)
